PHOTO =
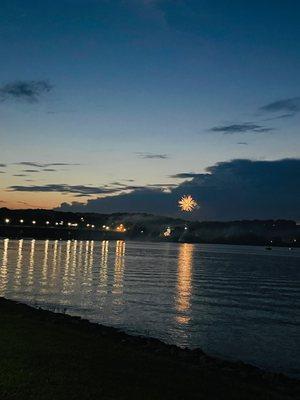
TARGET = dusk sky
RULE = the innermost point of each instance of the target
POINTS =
(146, 100)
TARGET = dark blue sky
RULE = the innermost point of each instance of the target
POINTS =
(137, 91)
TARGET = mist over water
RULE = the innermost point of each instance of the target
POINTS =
(237, 302)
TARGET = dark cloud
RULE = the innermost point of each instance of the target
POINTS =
(30, 170)
(152, 156)
(184, 175)
(244, 127)
(290, 106)
(80, 190)
(2, 172)
(19, 175)
(28, 91)
(242, 143)
(43, 165)
(235, 189)
(88, 190)
(50, 170)
(2, 165)
(283, 116)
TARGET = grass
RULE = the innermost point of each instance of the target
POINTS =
(51, 356)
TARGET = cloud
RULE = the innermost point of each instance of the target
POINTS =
(2, 165)
(89, 190)
(290, 106)
(244, 127)
(287, 108)
(30, 170)
(2, 172)
(50, 170)
(229, 190)
(152, 156)
(43, 165)
(243, 143)
(25, 203)
(19, 175)
(27, 91)
(79, 190)
(184, 175)
(283, 116)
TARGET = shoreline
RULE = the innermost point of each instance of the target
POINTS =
(146, 368)
(151, 240)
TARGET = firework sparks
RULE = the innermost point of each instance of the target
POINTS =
(187, 203)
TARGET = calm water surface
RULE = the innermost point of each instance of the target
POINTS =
(238, 302)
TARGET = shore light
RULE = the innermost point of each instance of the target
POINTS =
(34, 222)
(167, 232)
(7, 220)
(21, 221)
(121, 228)
(93, 226)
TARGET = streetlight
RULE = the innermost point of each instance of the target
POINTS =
(7, 220)
(47, 222)
(21, 221)
(34, 222)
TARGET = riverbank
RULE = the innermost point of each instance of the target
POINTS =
(44, 356)
(59, 225)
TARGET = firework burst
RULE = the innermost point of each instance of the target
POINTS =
(187, 203)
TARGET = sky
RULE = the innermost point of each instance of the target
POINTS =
(126, 105)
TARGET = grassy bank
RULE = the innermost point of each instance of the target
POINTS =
(53, 356)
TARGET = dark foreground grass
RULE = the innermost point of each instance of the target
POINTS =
(52, 356)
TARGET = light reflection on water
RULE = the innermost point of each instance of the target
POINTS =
(184, 282)
(239, 302)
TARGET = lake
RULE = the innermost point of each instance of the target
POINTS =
(236, 302)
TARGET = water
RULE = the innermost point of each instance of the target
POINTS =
(237, 302)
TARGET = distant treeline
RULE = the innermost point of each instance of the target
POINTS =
(42, 224)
